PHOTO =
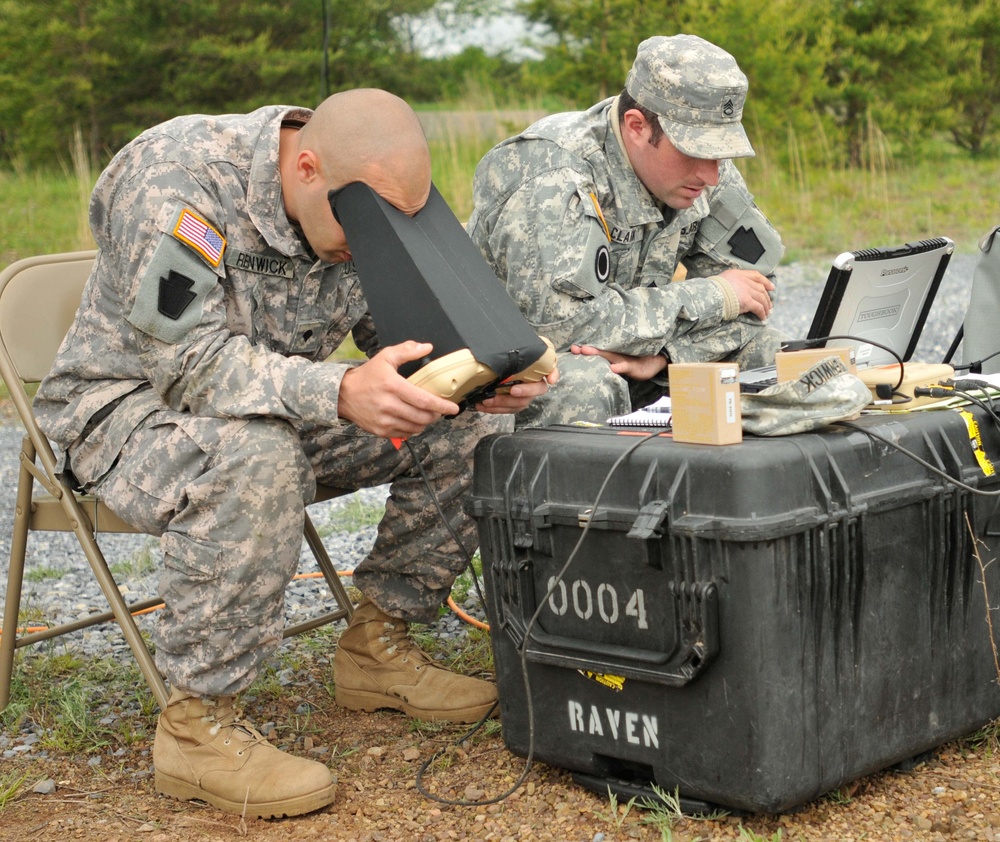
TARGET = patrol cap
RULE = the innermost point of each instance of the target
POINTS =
(825, 393)
(696, 90)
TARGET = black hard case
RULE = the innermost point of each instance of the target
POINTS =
(752, 625)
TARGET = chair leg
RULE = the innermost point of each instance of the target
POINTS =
(15, 578)
(15, 581)
(346, 607)
(8, 636)
(109, 587)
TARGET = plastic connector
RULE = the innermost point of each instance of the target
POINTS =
(933, 392)
(797, 344)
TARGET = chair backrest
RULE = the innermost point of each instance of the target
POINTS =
(39, 297)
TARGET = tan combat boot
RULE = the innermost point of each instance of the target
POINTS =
(376, 665)
(204, 750)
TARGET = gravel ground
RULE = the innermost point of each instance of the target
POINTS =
(958, 798)
(800, 285)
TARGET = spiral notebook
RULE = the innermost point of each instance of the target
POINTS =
(657, 414)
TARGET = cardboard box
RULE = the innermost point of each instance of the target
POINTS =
(791, 364)
(705, 402)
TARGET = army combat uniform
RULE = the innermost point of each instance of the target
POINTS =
(589, 256)
(192, 396)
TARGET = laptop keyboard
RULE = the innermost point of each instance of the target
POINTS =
(756, 379)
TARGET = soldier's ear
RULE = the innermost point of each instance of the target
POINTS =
(307, 166)
(633, 121)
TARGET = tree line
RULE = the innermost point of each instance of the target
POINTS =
(832, 82)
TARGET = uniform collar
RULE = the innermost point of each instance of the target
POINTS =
(264, 201)
(636, 203)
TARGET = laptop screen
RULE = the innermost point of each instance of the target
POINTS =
(882, 295)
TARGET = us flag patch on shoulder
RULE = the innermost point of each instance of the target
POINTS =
(199, 235)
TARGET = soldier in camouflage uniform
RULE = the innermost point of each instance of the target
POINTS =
(587, 217)
(194, 397)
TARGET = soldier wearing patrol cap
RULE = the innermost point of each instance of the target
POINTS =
(590, 219)
(193, 394)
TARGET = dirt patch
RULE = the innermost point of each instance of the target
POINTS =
(109, 795)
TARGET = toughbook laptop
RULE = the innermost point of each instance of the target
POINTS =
(880, 296)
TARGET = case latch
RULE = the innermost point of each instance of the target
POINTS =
(649, 521)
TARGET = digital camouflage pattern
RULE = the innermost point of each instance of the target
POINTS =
(589, 256)
(192, 396)
(697, 90)
(825, 393)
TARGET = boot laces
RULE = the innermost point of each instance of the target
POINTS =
(222, 713)
(397, 641)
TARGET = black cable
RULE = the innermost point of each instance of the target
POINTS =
(918, 459)
(952, 391)
(954, 344)
(447, 523)
(891, 395)
(482, 599)
(418, 783)
(976, 366)
(800, 344)
(522, 652)
(461, 547)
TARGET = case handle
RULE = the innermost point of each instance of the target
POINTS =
(697, 644)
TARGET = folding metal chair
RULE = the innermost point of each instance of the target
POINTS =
(39, 297)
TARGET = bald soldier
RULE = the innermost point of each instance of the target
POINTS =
(194, 397)
(589, 217)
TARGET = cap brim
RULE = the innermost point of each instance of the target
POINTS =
(728, 141)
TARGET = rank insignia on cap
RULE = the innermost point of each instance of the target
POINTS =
(199, 235)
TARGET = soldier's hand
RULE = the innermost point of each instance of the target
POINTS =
(519, 396)
(377, 398)
(751, 288)
(635, 368)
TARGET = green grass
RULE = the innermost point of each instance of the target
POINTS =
(819, 211)
(68, 697)
(42, 213)
(139, 563)
(353, 515)
(11, 781)
(469, 655)
(829, 211)
(44, 574)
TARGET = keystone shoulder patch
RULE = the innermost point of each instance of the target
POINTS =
(746, 245)
(174, 295)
